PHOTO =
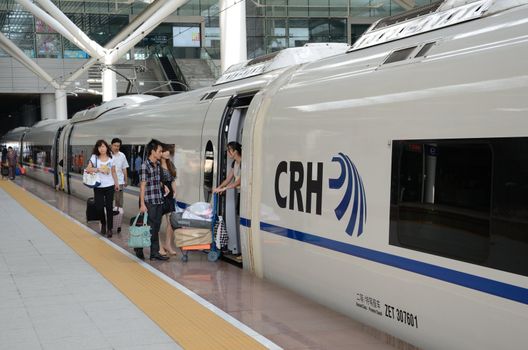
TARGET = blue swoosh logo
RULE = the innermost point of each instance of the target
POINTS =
(358, 214)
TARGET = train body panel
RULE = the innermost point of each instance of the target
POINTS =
(386, 183)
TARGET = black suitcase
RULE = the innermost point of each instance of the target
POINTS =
(5, 171)
(91, 210)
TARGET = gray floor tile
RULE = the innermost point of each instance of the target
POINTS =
(50, 298)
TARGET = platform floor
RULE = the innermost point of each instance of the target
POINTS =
(267, 314)
(50, 298)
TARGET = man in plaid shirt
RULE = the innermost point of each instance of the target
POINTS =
(151, 197)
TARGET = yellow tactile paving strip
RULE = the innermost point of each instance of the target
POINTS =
(190, 324)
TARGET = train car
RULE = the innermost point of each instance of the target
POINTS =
(387, 182)
(14, 138)
(199, 124)
(40, 151)
(390, 183)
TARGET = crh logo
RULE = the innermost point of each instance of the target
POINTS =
(354, 186)
(306, 183)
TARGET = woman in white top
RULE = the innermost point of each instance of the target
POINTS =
(102, 164)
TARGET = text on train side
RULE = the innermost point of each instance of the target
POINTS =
(312, 183)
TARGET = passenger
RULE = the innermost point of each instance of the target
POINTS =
(81, 162)
(234, 151)
(168, 176)
(151, 197)
(101, 162)
(137, 167)
(12, 161)
(121, 165)
(4, 154)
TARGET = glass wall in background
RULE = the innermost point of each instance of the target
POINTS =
(271, 24)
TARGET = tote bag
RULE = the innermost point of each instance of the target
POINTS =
(139, 236)
(91, 180)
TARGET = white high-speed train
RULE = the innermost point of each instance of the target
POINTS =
(388, 182)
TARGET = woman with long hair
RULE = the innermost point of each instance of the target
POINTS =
(168, 178)
(101, 163)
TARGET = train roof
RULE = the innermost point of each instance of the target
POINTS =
(281, 59)
(48, 122)
(119, 102)
(424, 19)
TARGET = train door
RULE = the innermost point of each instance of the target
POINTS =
(22, 151)
(55, 157)
(210, 132)
(223, 124)
(63, 158)
(232, 128)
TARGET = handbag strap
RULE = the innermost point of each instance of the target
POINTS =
(145, 219)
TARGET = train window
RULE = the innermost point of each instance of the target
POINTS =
(79, 156)
(208, 171)
(462, 199)
(134, 154)
(37, 155)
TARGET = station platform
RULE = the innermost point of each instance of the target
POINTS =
(63, 286)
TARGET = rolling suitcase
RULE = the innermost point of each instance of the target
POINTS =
(118, 219)
(5, 171)
(91, 210)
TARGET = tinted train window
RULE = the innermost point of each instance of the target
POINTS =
(134, 155)
(462, 199)
(79, 157)
(36, 155)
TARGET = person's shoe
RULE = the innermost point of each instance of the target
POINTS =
(110, 233)
(103, 230)
(139, 254)
(159, 257)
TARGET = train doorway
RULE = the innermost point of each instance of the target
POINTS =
(232, 129)
(55, 159)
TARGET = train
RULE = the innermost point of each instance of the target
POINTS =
(387, 180)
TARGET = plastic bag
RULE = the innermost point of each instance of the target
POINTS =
(201, 209)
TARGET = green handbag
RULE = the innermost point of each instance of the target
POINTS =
(139, 236)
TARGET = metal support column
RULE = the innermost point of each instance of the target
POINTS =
(233, 47)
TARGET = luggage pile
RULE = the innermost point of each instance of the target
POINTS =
(192, 226)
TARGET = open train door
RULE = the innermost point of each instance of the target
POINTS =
(55, 158)
(63, 162)
(224, 123)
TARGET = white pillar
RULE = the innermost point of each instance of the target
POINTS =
(233, 47)
(47, 107)
(61, 104)
(109, 85)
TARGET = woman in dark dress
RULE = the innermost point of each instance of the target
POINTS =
(168, 178)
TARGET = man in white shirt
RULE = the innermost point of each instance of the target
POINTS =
(121, 165)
